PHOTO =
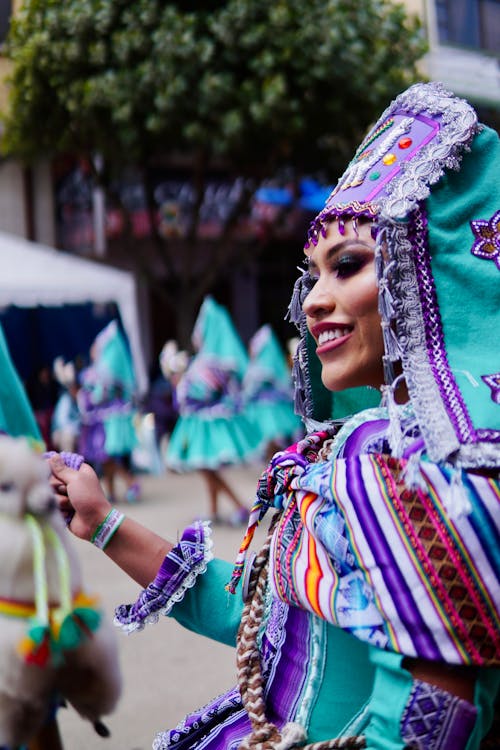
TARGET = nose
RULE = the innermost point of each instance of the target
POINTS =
(319, 301)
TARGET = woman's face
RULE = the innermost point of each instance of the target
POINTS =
(342, 308)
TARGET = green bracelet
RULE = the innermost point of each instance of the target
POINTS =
(105, 531)
(96, 532)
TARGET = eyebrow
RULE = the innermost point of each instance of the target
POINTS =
(337, 248)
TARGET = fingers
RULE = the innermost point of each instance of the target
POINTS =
(59, 468)
(66, 509)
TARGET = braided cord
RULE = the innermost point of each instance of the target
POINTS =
(39, 573)
(265, 735)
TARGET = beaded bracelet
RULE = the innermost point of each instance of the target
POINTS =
(104, 532)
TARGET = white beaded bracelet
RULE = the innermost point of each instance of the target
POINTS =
(104, 532)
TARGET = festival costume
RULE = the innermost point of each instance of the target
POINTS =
(268, 390)
(105, 399)
(212, 429)
(387, 523)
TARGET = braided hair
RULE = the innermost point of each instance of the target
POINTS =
(265, 735)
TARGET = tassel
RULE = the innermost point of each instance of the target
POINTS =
(390, 341)
(35, 647)
(388, 369)
(74, 621)
(299, 379)
(412, 475)
(395, 431)
(78, 626)
(456, 501)
(292, 735)
(386, 306)
(295, 307)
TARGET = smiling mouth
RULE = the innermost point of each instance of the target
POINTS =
(332, 334)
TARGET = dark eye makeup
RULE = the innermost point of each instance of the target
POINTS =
(343, 264)
(348, 264)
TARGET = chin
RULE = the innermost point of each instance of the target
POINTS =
(337, 383)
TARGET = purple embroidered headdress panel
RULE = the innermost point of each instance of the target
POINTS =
(427, 176)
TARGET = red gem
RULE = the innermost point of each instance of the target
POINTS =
(405, 143)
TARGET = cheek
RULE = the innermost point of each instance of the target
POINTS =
(363, 301)
(365, 311)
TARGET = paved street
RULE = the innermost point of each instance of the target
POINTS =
(167, 671)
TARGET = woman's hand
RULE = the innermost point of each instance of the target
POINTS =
(79, 496)
(135, 549)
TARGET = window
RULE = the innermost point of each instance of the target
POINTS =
(5, 13)
(469, 23)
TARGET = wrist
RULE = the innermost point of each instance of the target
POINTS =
(106, 529)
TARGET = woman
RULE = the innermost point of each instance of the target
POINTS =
(377, 618)
(212, 430)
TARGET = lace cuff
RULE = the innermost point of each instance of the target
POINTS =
(178, 572)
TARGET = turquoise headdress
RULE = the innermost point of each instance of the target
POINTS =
(214, 334)
(112, 359)
(427, 176)
(16, 415)
(265, 350)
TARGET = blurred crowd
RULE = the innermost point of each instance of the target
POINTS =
(220, 404)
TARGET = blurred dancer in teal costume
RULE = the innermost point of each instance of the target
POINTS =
(105, 400)
(268, 392)
(213, 430)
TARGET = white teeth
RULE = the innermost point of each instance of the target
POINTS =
(330, 335)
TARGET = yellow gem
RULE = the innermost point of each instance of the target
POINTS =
(389, 159)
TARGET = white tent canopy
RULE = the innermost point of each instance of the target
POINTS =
(32, 274)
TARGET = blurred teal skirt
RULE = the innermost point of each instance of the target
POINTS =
(121, 437)
(202, 441)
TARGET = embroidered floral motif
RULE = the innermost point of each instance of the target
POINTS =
(487, 243)
(493, 382)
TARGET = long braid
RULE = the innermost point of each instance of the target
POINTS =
(265, 735)
(250, 678)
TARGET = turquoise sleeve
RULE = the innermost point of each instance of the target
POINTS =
(208, 609)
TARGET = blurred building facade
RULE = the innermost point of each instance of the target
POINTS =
(35, 202)
(464, 53)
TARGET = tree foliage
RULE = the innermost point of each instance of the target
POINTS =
(254, 83)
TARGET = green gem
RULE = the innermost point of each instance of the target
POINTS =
(374, 176)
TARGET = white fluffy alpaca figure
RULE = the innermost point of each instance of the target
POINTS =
(53, 642)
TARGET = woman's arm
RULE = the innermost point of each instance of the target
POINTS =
(138, 551)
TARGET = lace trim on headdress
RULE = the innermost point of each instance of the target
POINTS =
(408, 306)
(412, 311)
(303, 399)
